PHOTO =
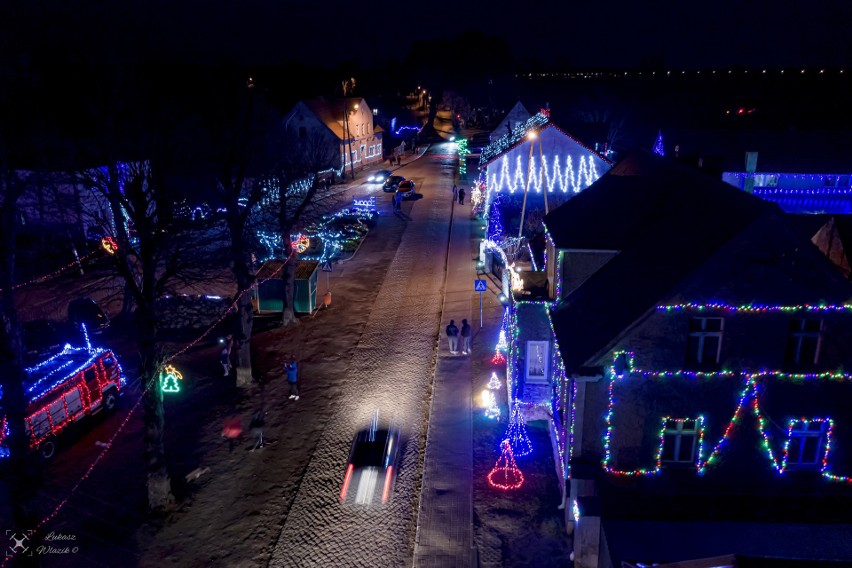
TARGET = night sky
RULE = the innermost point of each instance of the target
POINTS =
(619, 33)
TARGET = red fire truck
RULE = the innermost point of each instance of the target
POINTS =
(62, 390)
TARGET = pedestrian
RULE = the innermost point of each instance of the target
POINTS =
(397, 201)
(225, 359)
(453, 337)
(461, 196)
(393, 202)
(256, 424)
(455, 193)
(399, 160)
(465, 335)
(293, 377)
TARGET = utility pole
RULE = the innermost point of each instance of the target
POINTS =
(348, 134)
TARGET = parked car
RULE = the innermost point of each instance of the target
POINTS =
(41, 339)
(93, 383)
(392, 182)
(406, 188)
(87, 311)
(371, 469)
(380, 176)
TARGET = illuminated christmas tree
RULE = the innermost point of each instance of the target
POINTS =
(494, 383)
(505, 474)
(169, 378)
(516, 432)
(498, 359)
(658, 145)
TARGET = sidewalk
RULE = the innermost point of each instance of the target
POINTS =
(445, 518)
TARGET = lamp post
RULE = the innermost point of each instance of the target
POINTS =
(347, 132)
(531, 137)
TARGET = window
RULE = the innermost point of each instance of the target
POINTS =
(807, 443)
(681, 440)
(705, 341)
(536, 361)
(803, 342)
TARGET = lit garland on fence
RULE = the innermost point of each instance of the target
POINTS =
(832, 191)
(505, 474)
(568, 178)
(755, 308)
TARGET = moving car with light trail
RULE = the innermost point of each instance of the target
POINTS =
(372, 466)
(379, 176)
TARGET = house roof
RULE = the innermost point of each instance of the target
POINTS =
(509, 141)
(802, 152)
(665, 220)
(330, 112)
(517, 114)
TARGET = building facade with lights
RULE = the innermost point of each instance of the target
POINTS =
(700, 382)
(344, 124)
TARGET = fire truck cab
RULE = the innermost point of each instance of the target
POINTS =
(64, 389)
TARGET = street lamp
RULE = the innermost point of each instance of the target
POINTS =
(347, 132)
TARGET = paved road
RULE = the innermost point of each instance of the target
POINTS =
(391, 370)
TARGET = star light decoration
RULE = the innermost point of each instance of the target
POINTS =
(169, 378)
(505, 474)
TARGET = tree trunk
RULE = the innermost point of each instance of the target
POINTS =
(288, 281)
(245, 316)
(159, 485)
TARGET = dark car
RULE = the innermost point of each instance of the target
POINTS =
(87, 311)
(372, 466)
(406, 188)
(379, 177)
(392, 182)
(41, 339)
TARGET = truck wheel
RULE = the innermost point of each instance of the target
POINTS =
(110, 401)
(47, 449)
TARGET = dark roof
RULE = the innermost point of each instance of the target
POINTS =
(330, 112)
(665, 219)
(810, 152)
(305, 269)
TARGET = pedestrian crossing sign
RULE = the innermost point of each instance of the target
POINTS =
(479, 286)
(326, 266)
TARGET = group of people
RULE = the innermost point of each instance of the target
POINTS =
(458, 194)
(453, 333)
(233, 427)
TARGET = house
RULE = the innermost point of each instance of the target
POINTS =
(344, 125)
(697, 346)
(802, 171)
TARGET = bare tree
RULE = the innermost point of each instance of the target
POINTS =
(294, 174)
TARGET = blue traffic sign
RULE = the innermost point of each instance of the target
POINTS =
(326, 266)
(479, 286)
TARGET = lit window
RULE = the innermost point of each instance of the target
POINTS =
(681, 439)
(803, 342)
(705, 341)
(536, 362)
(807, 443)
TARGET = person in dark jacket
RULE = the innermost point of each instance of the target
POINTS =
(461, 196)
(258, 420)
(453, 337)
(465, 335)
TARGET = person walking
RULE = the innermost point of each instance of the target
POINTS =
(225, 358)
(465, 335)
(258, 420)
(397, 201)
(453, 337)
(461, 196)
(293, 377)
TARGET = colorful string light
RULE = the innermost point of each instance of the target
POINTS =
(516, 432)
(494, 383)
(755, 308)
(73, 264)
(505, 474)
